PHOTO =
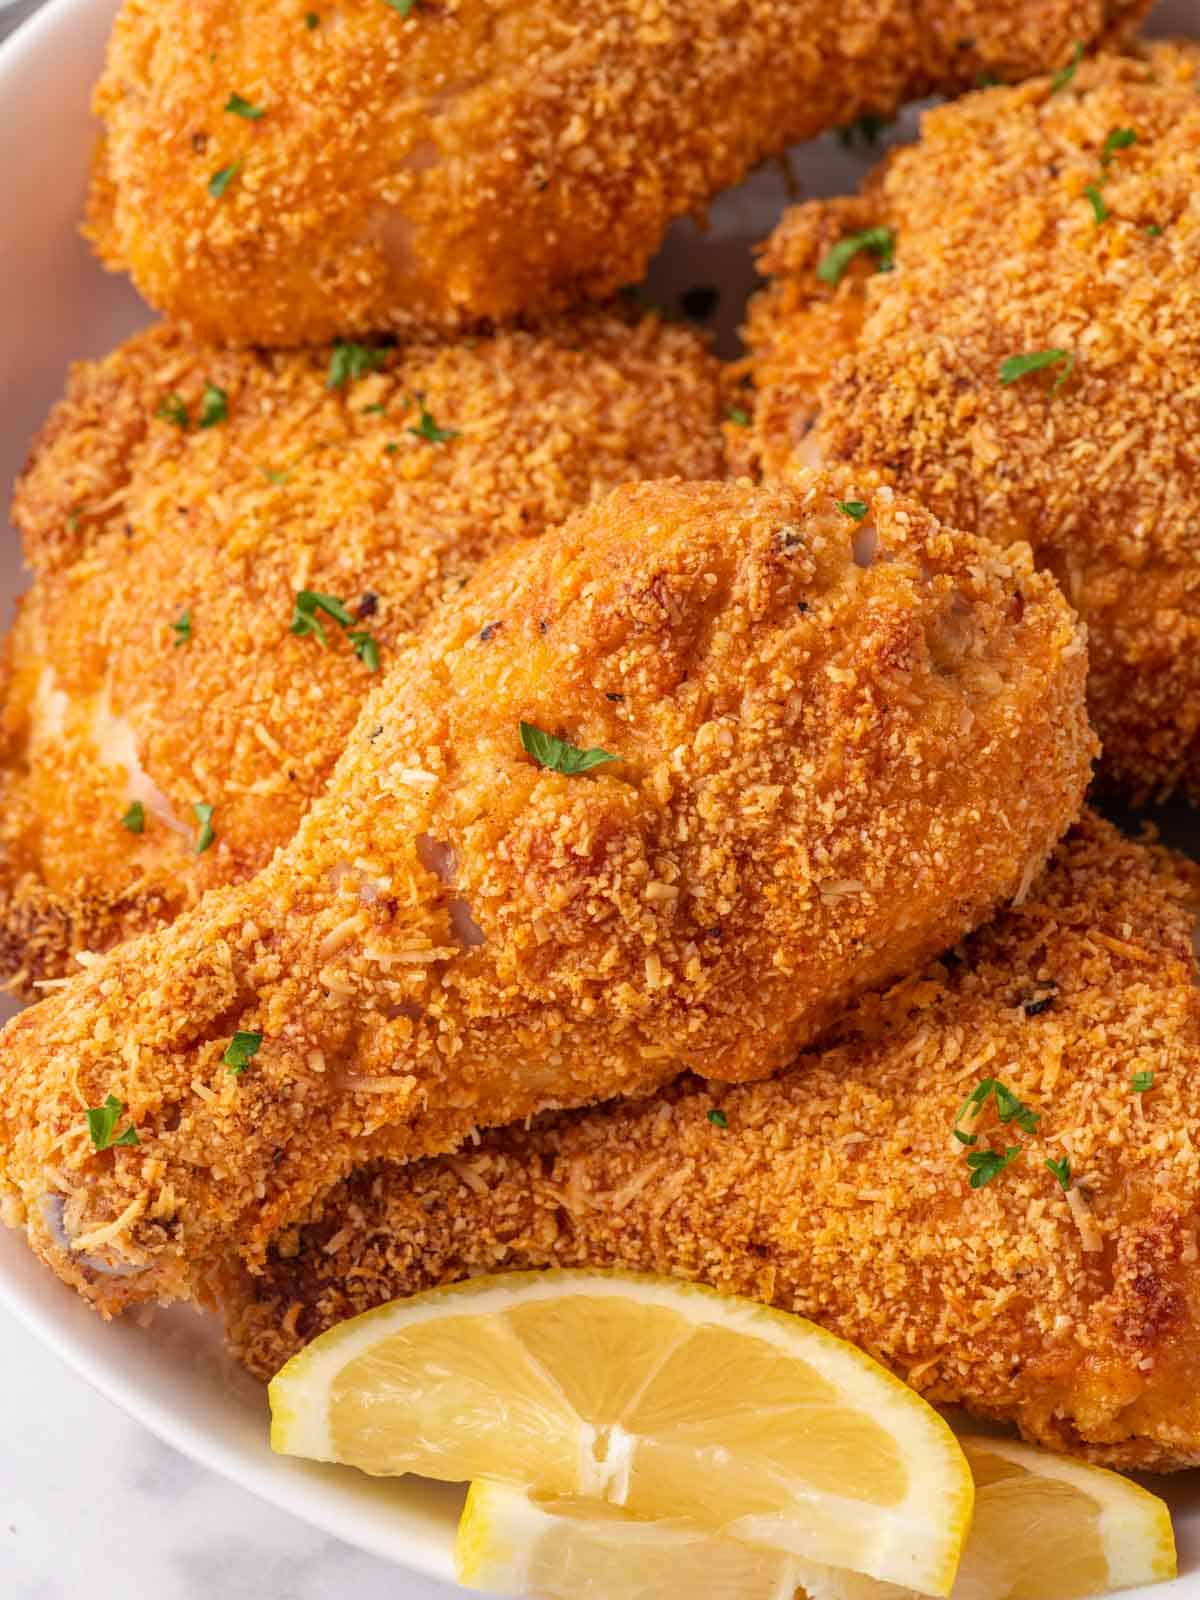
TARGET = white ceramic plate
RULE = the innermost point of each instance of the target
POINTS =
(56, 306)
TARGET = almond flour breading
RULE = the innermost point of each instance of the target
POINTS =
(132, 522)
(482, 160)
(789, 715)
(836, 1190)
(999, 252)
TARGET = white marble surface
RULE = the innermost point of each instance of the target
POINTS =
(91, 1504)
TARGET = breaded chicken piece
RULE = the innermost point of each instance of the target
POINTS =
(272, 175)
(1027, 221)
(819, 750)
(839, 1192)
(154, 663)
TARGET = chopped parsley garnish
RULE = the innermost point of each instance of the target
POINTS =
(1154, 230)
(863, 130)
(427, 428)
(135, 818)
(221, 180)
(243, 108)
(1061, 1170)
(1008, 1108)
(102, 1122)
(718, 1118)
(241, 1050)
(988, 1164)
(853, 508)
(1015, 367)
(311, 19)
(1118, 139)
(73, 520)
(182, 629)
(376, 410)
(172, 409)
(1035, 1006)
(214, 406)
(404, 7)
(736, 414)
(276, 475)
(304, 614)
(366, 648)
(881, 242)
(204, 816)
(1063, 76)
(1140, 1082)
(1100, 211)
(556, 755)
(350, 361)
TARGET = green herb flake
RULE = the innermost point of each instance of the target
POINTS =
(718, 1118)
(243, 108)
(1154, 231)
(1061, 1170)
(1140, 1082)
(350, 361)
(404, 8)
(556, 755)
(988, 1164)
(214, 406)
(73, 520)
(1118, 139)
(374, 411)
(965, 1138)
(428, 429)
(881, 242)
(304, 613)
(102, 1122)
(204, 816)
(275, 475)
(853, 508)
(173, 410)
(311, 20)
(135, 818)
(221, 180)
(1063, 76)
(366, 648)
(1016, 367)
(736, 414)
(1010, 1109)
(241, 1050)
(182, 629)
(864, 130)
(1100, 212)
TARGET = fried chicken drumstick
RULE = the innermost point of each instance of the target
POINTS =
(838, 1191)
(156, 663)
(272, 176)
(818, 749)
(1028, 367)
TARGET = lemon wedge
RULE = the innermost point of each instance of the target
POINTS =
(1043, 1527)
(660, 1398)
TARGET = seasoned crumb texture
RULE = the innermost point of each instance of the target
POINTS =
(476, 159)
(837, 1190)
(839, 744)
(999, 252)
(132, 521)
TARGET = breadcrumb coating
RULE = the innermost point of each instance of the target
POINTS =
(1027, 220)
(837, 744)
(459, 159)
(133, 521)
(837, 1190)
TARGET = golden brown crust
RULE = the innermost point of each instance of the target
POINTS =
(837, 1190)
(130, 522)
(840, 744)
(998, 253)
(481, 160)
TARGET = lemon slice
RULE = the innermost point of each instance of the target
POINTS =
(1043, 1526)
(659, 1397)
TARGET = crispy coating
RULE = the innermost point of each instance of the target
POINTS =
(474, 159)
(999, 252)
(837, 1190)
(838, 745)
(132, 522)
